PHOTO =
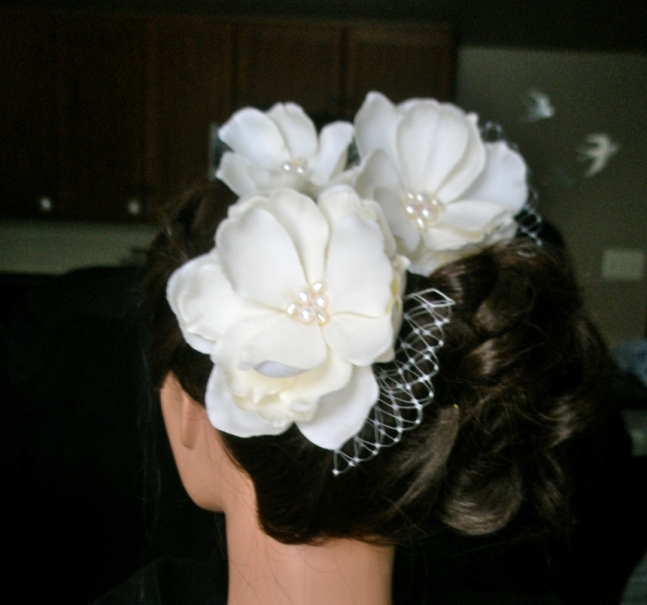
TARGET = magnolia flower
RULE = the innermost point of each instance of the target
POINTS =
(280, 148)
(445, 193)
(293, 305)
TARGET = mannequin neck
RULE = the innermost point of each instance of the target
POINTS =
(262, 570)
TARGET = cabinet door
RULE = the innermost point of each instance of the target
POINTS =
(401, 61)
(298, 62)
(101, 116)
(28, 102)
(189, 88)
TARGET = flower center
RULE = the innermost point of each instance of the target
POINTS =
(297, 165)
(311, 305)
(422, 209)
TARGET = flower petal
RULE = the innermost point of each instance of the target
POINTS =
(377, 172)
(405, 231)
(259, 259)
(358, 272)
(274, 369)
(471, 215)
(341, 201)
(329, 377)
(470, 165)
(376, 123)
(446, 238)
(287, 341)
(301, 218)
(331, 158)
(357, 339)
(250, 133)
(503, 180)
(296, 128)
(431, 141)
(427, 261)
(291, 397)
(240, 175)
(342, 414)
(227, 417)
(204, 303)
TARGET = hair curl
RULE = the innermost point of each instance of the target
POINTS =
(522, 371)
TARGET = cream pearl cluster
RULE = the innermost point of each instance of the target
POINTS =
(311, 305)
(422, 209)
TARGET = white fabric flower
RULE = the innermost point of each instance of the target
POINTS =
(445, 193)
(293, 305)
(280, 148)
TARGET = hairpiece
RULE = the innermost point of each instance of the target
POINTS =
(300, 302)
(446, 193)
(294, 304)
(281, 148)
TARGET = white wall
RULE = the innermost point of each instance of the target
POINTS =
(591, 93)
(35, 247)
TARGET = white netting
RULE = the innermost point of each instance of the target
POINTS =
(529, 220)
(406, 383)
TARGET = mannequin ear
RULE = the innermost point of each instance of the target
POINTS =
(183, 415)
(207, 472)
(192, 415)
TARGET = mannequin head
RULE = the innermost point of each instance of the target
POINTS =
(522, 371)
(208, 473)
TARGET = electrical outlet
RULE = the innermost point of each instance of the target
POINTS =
(623, 264)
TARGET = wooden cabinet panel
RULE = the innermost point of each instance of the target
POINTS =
(101, 116)
(400, 61)
(105, 114)
(299, 62)
(28, 126)
(189, 87)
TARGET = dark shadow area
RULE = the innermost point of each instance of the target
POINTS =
(93, 495)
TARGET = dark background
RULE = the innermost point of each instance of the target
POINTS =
(608, 25)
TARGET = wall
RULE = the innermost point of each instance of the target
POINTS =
(590, 93)
(34, 247)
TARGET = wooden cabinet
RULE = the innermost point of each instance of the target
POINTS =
(106, 115)
(28, 122)
(329, 68)
(400, 61)
(298, 62)
(73, 117)
(189, 78)
(101, 108)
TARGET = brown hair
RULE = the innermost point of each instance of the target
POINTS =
(522, 370)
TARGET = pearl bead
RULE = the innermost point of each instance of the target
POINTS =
(303, 297)
(297, 165)
(322, 316)
(320, 301)
(306, 314)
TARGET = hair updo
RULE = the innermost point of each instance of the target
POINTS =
(522, 370)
